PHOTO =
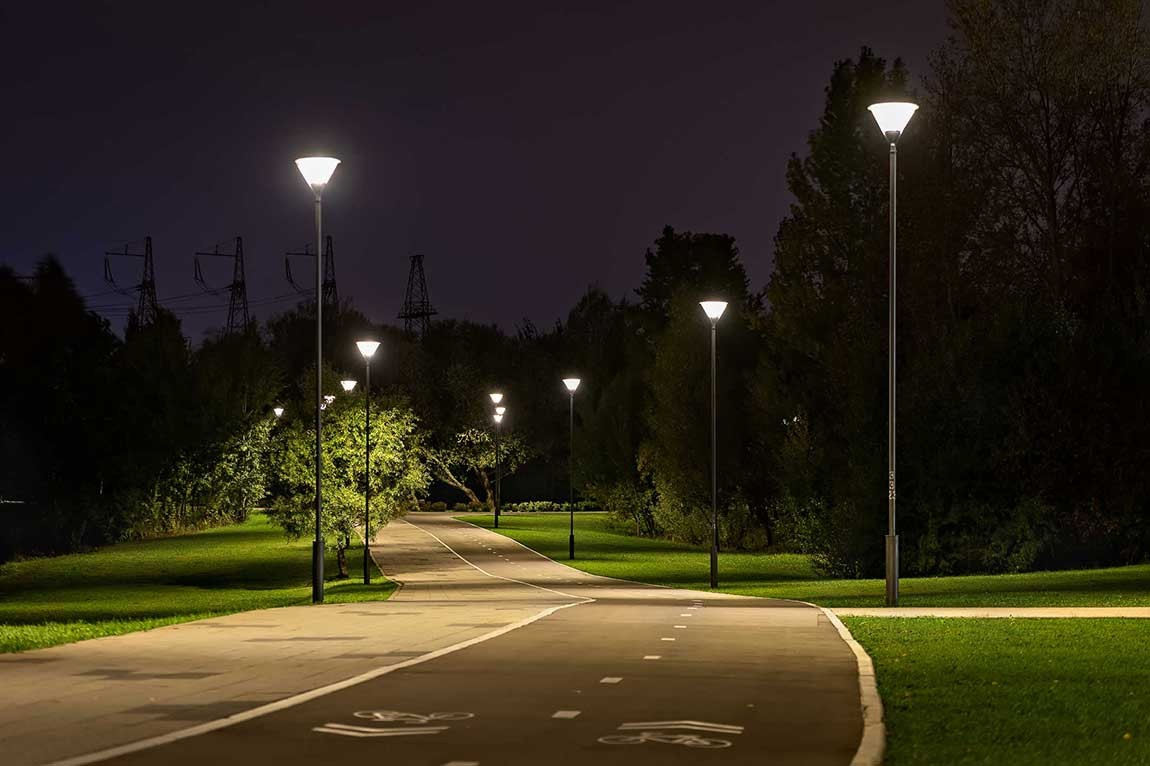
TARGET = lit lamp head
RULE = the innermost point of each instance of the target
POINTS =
(892, 117)
(348, 386)
(316, 171)
(571, 383)
(498, 417)
(367, 348)
(713, 309)
(496, 397)
(279, 411)
(500, 410)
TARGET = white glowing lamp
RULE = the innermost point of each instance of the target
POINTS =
(713, 309)
(892, 117)
(348, 385)
(367, 347)
(571, 383)
(500, 410)
(279, 411)
(498, 417)
(316, 171)
(496, 398)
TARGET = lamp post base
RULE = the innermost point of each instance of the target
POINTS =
(892, 570)
(572, 549)
(714, 566)
(317, 571)
(497, 518)
(366, 563)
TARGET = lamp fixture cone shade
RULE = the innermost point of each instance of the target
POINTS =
(571, 383)
(496, 398)
(892, 116)
(500, 410)
(367, 347)
(348, 385)
(279, 411)
(316, 170)
(498, 418)
(713, 309)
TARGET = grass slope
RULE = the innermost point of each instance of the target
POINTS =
(141, 585)
(601, 549)
(964, 691)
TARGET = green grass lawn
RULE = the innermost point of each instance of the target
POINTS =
(600, 549)
(136, 586)
(969, 691)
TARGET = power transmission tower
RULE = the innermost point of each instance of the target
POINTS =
(146, 307)
(330, 294)
(417, 310)
(237, 290)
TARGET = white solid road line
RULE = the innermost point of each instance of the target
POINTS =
(566, 713)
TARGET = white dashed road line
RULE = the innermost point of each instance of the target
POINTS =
(565, 713)
(652, 656)
(610, 680)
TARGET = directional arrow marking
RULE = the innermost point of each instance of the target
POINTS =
(721, 728)
(372, 731)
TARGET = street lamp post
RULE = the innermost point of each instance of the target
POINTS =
(496, 398)
(317, 172)
(571, 384)
(499, 412)
(892, 118)
(714, 310)
(367, 349)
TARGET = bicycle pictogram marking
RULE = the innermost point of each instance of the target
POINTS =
(398, 716)
(688, 740)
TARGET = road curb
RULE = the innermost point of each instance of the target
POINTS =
(872, 746)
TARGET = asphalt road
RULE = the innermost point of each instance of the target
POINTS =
(613, 673)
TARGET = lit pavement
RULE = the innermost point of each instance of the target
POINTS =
(533, 662)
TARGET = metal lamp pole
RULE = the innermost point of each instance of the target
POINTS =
(892, 118)
(367, 349)
(496, 398)
(317, 172)
(714, 310)
(571, 384)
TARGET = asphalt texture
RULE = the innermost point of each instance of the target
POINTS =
(611, 673)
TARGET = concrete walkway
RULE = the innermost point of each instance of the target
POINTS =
(489, 654)
(1139, 612)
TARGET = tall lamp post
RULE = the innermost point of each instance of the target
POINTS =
(714, 310)
(496, 398)
(367, 349)
(571, 384)
(317, 172)
(892, 118)
(499, 412)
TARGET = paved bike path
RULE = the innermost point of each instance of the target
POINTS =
(615, 673)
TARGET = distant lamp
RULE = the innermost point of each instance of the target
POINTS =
(500, 410)
(571, 383)
(713, 309)
(348, 386)
(279, 411)
(316, 171)
(367, 347)
(499, 417)
(892, 117)
(496, 397)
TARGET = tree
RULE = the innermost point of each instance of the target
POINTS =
(471, 456)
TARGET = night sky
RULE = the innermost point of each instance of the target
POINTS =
(528, 149)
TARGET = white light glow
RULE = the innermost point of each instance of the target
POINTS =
(892, 117)
(500, 410)
(571, 383)
(279, 411)
(496, 398)
(316, 170)
(367, 347)
(713, 309)
(498, 418)
(348, 385)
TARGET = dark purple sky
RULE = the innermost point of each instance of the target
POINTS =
(528, 149)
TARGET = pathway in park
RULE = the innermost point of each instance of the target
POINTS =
(489, 654)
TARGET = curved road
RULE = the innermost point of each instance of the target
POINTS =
(566, 668)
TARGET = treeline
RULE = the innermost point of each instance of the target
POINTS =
(1024, 352)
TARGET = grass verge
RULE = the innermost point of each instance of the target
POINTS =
(604, 550)
(1026, 691)
(137, 586)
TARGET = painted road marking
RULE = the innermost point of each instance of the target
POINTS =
(610, 680)
(680, 627)
(686, 614)
(652, 656)
(721, 728)
(372, 731)
(666, 639)
(565, 713)
(639, 737)
(462, 763)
